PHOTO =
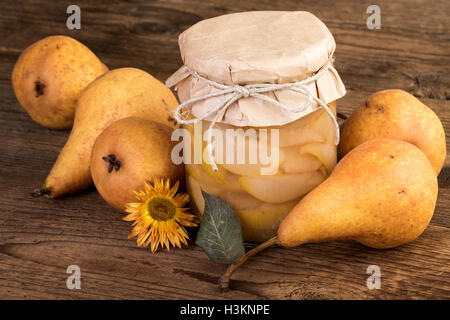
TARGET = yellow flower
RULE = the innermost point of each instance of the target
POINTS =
(159, 216)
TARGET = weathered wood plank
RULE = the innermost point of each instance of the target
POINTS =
(113, 268)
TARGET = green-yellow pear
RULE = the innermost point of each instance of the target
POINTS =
(129, 153)
(49, 77)
(120, 93)
(396, 114)
(381, 194)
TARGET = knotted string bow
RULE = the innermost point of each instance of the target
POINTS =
(237, 92)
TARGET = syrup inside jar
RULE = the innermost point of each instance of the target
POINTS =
(306, 156)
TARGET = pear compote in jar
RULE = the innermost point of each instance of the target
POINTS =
(258, 98)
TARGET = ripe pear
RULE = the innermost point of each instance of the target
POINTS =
(382, 194)
(396, 114)
(127, 154)
(117, 94)
(49, 77)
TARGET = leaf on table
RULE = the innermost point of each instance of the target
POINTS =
(220, 233)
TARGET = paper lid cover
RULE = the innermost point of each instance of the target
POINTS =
(257, 47)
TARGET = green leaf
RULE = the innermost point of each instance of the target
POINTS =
(220, 233)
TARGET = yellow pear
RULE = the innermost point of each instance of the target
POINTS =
(127, 154)
(381, 194)
(396, 114)
(120, 93)
(49, 77)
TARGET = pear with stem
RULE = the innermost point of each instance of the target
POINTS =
(382, 194)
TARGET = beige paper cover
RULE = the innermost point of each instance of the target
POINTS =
(257, 47)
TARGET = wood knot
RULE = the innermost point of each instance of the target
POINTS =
(432, 85)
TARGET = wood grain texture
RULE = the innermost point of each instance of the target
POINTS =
(40, 238)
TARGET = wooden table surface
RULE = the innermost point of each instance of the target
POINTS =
(40, 238)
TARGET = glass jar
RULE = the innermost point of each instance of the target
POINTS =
(307, 155)
(291, 55)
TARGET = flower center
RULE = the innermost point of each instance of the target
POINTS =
(161, 209)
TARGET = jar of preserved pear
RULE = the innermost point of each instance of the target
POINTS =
(258, 93)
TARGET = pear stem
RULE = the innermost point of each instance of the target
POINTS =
(40, 192)
(225, 278)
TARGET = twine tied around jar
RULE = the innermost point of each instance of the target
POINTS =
(251, 90)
